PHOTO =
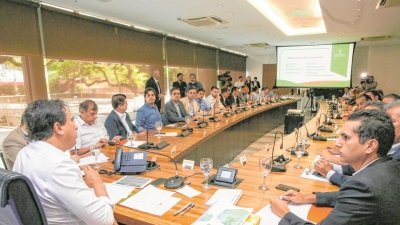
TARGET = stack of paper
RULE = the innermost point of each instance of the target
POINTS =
(167, 134)
(224, 214)
(227, 196)
(116, 193)
(188, 191)
(91, 160)
(152, 200)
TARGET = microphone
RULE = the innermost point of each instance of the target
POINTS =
(148, 144)
(202, 124)
(279, 166)
(175, 181)
(292, 152)
(318, 137)
(323, 128)
(214, 119)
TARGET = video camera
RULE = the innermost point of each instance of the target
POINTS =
(225, 78)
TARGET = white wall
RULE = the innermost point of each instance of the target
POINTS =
(254, 65)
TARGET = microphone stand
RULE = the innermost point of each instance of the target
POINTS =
(280, 162)
(323, 128)
(317, 137)
(148, 144)
(292, 150)
(202, 124)
(214, 119)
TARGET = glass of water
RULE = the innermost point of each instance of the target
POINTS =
(265, 165)
(299, 150)
(206, 165)
(95, 150)
(159, 126)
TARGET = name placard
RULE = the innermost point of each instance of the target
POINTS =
(187, 164)
(243, 160)
(173, 150)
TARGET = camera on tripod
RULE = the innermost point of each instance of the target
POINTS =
(225, 77)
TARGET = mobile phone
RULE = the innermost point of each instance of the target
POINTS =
(158, 182)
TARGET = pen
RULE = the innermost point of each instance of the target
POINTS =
(183, 208)
(190, 207)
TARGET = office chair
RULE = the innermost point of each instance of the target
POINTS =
(2, 160)
(19, 203)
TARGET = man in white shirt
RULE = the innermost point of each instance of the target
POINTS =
(66, 198)
(255, 94)
(90, 131)
(214, 98)
(239, 83)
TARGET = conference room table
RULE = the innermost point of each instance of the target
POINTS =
(251, 197)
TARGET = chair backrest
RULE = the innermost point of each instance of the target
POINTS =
(2, 161)
(17, 195)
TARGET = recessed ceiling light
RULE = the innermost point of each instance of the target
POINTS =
(342, 33)
(221, 6)
(248, 26)
(231, 14)
(357, 16)
(353, 23)
(359, 9)
(240, 21)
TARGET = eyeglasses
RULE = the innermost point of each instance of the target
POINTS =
(106, 172)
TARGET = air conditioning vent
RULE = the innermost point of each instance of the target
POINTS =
(382, 4)
(380, 38)
(257, 45)
(205, 21)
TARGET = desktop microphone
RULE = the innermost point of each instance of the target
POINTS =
(323, 128)
(280, 167)
(148, 144)
(292, 151)
(214, 119)
(318, 137)
(202, 124)
(175, 181)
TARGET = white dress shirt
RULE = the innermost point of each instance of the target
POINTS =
(65, 197)
(123, 119)
(89, 134)
(210, 100)
(239, 84)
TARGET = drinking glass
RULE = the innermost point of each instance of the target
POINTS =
(266, 148)
(234, 107)
(304, 138)
(265, 165)
(187, 120)
(335, 127)
(335, 114)
(95, 150)
(132, 139)
(159, 126)
(299, 152)
(206, 165)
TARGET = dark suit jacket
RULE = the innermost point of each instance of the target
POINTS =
(115, 127)
(12, 144)
(224, 102)
(258, 84)
(181, 86)
(368, 198)
(171, 115)
(153, 84)
(231, 100)
(338, 179)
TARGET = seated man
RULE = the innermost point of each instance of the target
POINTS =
(255, 94)
(15, 141)
(367, 198)
(244, 96)
(118, 122)
(224, 97)
(362, 100)
(66, 198)
(191, 106)
(340, 174)
(90, 131)
(200, 100)
(213, 99)
(174, 110)
(233, 98)
(148, 114)
(390, 98)
(374, 95)
(274, 92)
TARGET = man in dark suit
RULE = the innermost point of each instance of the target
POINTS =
(233, 97)
(174, 110)
(367, 198)
(339, 174)
(224, 97)
(256, 83)
(153, 83)
(118, 123)
(180, 84)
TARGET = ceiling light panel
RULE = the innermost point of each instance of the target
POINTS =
(287, 15)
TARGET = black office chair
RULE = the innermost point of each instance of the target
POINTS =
(2, 160)
(19, 203)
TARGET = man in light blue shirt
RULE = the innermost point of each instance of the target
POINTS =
(148, 114)
(200, 100)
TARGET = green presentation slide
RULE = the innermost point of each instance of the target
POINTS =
(315, 66)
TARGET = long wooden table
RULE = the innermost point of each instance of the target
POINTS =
(252, 197)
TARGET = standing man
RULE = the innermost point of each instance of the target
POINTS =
(194, 83)
(367, 198)
(66, 198)
(174, 110)
(118, 122)
(239, 83)
(256, 83)
(148, 114)
(180, 84)
(153, 83)
(90, 131)
(214, 98)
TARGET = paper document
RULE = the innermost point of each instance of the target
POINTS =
(91, 160)
(228, 196)
(188, 191)
(176, 125)
(116, 192)
(167, 134)
(270, 218)
(224, 214)
(135, 144)
(151, 200)
(133, 181)
(309, 175)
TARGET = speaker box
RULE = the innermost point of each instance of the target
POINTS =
(291, 122)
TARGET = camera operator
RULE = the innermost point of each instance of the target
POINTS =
(369, 83)
(225, 79)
